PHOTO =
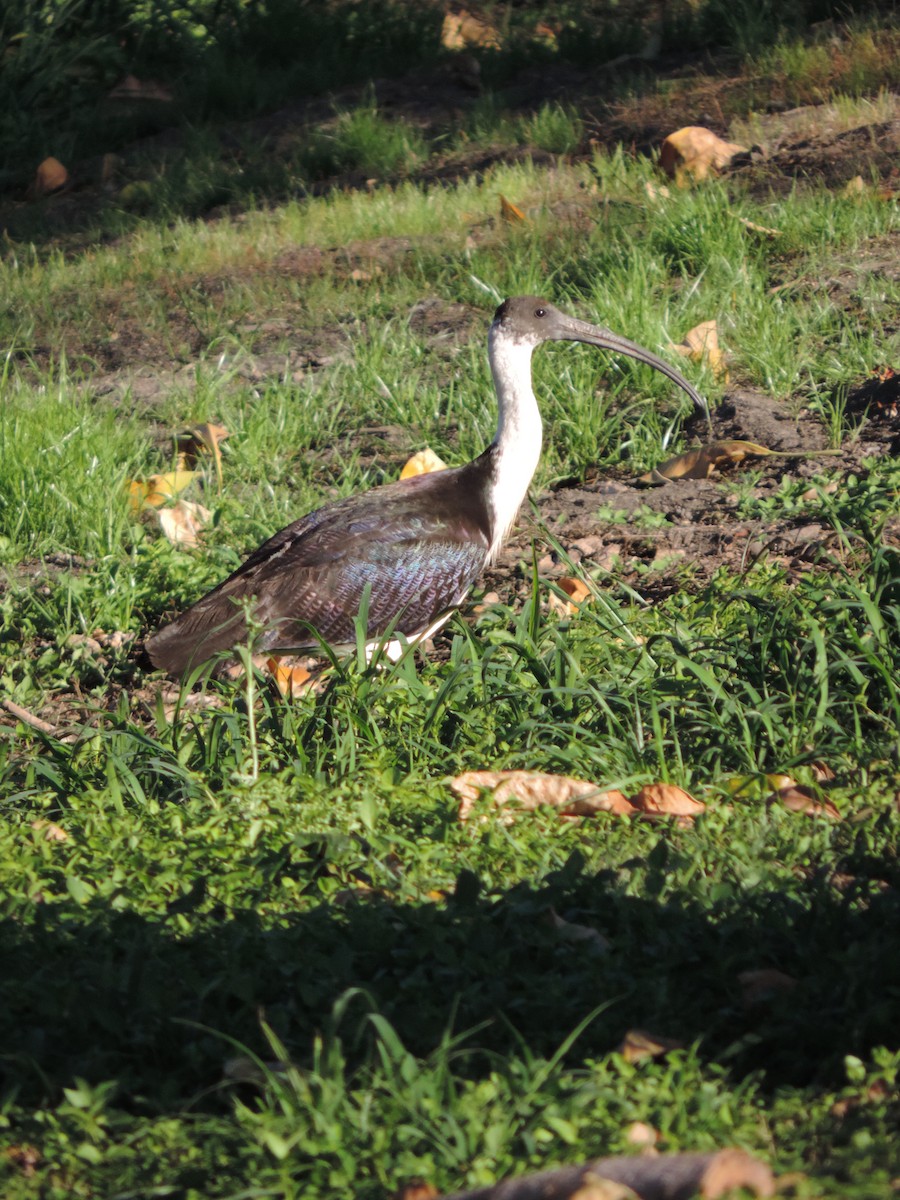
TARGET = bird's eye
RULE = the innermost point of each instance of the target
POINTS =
(540, 312)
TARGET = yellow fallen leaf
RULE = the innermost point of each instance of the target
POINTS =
(51, 831)
(51, 175)
(692, 153)
(702, 461)
(577, 591)
(289, 679)
(531, 790)
(755, 787)
(666, 798)
(701, 345)
(462, 29)
(156, 490)
(510, 212)
(182, 522)
(422, 463)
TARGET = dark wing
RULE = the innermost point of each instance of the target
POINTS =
(418, 545)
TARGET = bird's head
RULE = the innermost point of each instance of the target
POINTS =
(529, 320)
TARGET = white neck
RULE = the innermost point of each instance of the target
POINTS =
(517, 445)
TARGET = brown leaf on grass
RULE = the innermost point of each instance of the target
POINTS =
(701, 345)
(51, 831)
(140, 91)
(639, 1043)
(198, 441)
(734, 1168)
(803, 799)
(702, 461)
(155, 491)
(510, 212)
(666, 798)
(531, 790)
(183, 521)
(692, 153)
(291, 679)
(50, 176)
(422, 463)
(760, 985)
(577, 591)
(573, 932)
(462, 29)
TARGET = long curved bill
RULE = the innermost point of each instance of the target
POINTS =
(572, 330)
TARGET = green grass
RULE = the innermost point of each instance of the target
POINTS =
(267, 959)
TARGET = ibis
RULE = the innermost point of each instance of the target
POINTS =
(403, 555)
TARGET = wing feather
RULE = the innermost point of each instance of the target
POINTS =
(417, 546)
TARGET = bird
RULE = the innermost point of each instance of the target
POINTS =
(404, 555)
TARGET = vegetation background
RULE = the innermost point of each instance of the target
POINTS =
(248, 947)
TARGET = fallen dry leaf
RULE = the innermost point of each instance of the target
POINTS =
(802, 799)
(533, 789)
(573, 932)
(692, 153)
(155, 491)
(183, 521)
(734, 1168)
(51, 831)
(666, 798)
(701, 345)
(50, 176)
(638, 1044)
(422, 463)
(510, 212)
(640, 1134)
(760, 985)
(702, 461)
(462, 29)
(577, 591)
(290, 679)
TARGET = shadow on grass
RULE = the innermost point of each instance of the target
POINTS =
(103, 995)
